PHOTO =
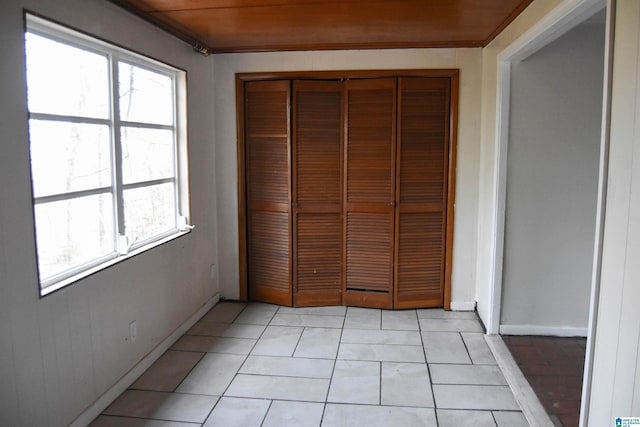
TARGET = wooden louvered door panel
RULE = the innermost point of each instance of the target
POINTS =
(317, 193)
(421, 191)
(369, 192)
(268, 186)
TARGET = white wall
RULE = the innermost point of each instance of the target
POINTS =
(60, 353)
(487, 227)
(615, 381)
(469, 63)
(552, 184)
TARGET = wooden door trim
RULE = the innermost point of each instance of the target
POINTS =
(242, 194)
(451, 184)
(241, 78)
(346, 74)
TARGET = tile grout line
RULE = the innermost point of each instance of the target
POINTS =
(132, 417)
(380, 385)
(264, 417)
(333, 371)
(466, 348)
(222, 394)
(426, 362)
(304, 328)
(245, 356)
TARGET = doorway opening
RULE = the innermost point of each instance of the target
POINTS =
(549, 145)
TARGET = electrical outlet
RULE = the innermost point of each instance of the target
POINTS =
(133, 332)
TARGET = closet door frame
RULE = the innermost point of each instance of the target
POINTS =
(241, 78)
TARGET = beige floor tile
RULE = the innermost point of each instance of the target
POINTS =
(162, 406)
(359, 336)
(257, 314)
(309, 320)
(510, 419)
(168, 371)
(279, 388)
(450, 325)
(363, 318)
(234, 412)
(294, 414)
(288, 367)
(355, 382)
(406, 384)
(319, 343)
(225, 345)
(466, 374)
(438, 313)
(114, 421)
(230, 330)
(478, 348)
(224, 312)
(336, 415)
(323, 311)
(278, 341)
(462, 418)
(381, 352)
(405, 320)
(212, 375)
(445, 347)
(474, 397)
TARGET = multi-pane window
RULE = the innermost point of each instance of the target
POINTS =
(106, 138)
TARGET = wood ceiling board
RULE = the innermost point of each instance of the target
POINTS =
(277, 25)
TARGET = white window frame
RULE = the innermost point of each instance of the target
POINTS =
(123, 248)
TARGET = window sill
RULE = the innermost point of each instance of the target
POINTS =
(56, 286)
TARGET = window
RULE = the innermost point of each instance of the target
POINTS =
(108, 152)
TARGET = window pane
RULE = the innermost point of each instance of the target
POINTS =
(72, 232)
(147, 154)
(66, 80)
(68, 157)
(149, 211)
(145, 96)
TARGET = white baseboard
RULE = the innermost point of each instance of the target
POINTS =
(531, 407)
(463, 305)
(554, 331)
(118, 388)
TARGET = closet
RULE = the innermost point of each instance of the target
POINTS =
(346, 188)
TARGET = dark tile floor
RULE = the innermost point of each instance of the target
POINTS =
(553, 366)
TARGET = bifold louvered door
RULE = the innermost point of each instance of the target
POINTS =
(347, 191)
(369, 192)
(317, 193)
(421, 191)
(267, 148)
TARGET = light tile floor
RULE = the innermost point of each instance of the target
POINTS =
(262, 365)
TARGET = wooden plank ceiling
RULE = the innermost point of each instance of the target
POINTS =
(219, 26)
